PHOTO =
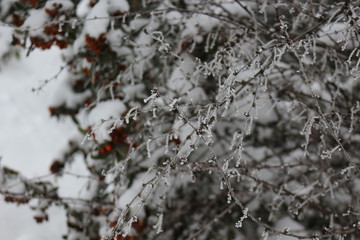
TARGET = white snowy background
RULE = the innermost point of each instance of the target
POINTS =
(30, 139)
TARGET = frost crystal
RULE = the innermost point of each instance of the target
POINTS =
(239, 223)
(158, 225)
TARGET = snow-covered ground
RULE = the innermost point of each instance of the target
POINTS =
(30, 139)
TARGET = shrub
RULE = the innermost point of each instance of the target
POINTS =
(201, 119)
